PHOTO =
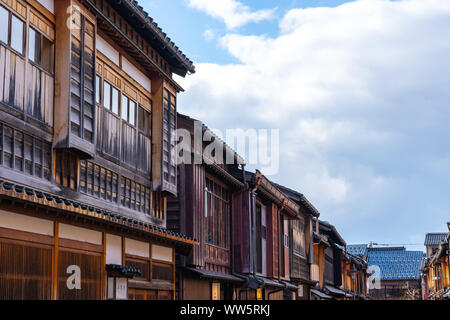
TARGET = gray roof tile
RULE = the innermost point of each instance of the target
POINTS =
(434, 239)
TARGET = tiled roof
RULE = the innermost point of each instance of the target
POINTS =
(434, 239)
(357, 249)
(239, 159)
(299, 198)
(330, 230)
(149, 27)
(396, 263)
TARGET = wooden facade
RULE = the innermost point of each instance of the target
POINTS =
(338, 274)
(435, 272)
(204, 209)
(87, 111)
(301, 243)
(262, 234)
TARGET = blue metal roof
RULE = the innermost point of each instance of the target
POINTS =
(396, 263)
(357, 249)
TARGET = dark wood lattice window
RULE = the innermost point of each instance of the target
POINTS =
(91, 267)
(217, 213)
(26, 272)
(159, 205)
(98, 181)
(162, 271)
(143, 265)
(169, 127)
(259, 253)
(66, 168)
(298, 233)
(24, 153)
(82, 88)
(135, 196)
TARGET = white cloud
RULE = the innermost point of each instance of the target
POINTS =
(209, 34)
(233, 13)
(360, 93)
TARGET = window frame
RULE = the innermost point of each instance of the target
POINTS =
(258, 226)
(8, 44)
(42, 37)
(130, 105)
(299, 237)
(217, 213)
(8, 13)
(162, 264)
(142, 260)
(127, 109)
(113, 89)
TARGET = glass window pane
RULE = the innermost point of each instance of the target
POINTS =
(132, 119)
(141, 119)
(17, 34)
(115, 101)
(124, 108)
(4, 19)
(32, 46)
(97, 89)
(107, 95)
(47, 55)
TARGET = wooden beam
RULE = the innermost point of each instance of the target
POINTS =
(104, 268)
(43, 10)
(174, 272)
(55, 260)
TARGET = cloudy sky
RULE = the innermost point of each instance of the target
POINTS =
(360, 91)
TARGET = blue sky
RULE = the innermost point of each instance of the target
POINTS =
(359, 90)
(186, 25)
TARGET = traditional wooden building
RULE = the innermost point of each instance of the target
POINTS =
(87, 109)
(433, 241)
(327, 267)
(205, 209)
(435, 270)
(354, 276)
(261, 239)
(301, 244)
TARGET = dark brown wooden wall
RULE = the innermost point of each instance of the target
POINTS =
(25, 272)
(273, 241)
(241, 233)
(185, 212)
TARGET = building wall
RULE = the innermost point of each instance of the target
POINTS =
(394, 289)
(242, 233)
(195, 289)
(39, 258)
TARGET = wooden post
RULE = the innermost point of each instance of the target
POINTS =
(55, 259)
(123, 250)
(151, 263)
(104, 276)
(174, 272)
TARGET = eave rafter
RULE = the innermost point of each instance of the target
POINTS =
(121, 39)
(54, 206)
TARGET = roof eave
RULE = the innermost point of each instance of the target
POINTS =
(165, 41)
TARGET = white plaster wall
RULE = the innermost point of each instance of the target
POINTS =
(25, 223)
(80, 234)
(162, 253)
(136, 74)
(104, 47)
(113, 249)
(137, 248)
